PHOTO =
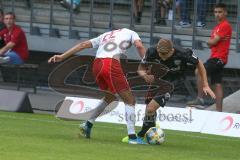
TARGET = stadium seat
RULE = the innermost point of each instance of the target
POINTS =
(54, 32)
(35, 31)
(94, 34)
(155, 40)
(74, 34)
(177, 41)
(198, 44)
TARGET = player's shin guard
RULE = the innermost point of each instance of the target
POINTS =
(148, 122)
(150, 118)
(130, 119)
(162, 99)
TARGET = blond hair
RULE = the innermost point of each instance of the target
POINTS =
(164, 46)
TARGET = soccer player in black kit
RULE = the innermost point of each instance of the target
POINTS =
(177, 60)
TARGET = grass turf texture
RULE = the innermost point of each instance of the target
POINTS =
(43, 137)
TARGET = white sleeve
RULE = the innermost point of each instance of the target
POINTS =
(135, 37)
(95, 42)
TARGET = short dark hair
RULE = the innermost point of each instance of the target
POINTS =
(11, 13)
(221, 5)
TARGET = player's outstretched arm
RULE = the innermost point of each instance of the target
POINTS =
(140, 47)
(77, 48)
(203, 76)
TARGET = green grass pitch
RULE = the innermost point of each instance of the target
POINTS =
(43, 137)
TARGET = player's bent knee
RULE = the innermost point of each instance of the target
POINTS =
(151, 109)
(152, 106)
(110, 98)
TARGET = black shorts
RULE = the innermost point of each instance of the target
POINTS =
(164, 88)
(214, 68)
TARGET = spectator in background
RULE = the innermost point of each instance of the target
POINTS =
(15, 50)
(178, 2)
(67, 4)
(184, 13)
(162, 7)
(185, 6)
(219, 43)
(2, 26)
(138, 8)
(201, 13)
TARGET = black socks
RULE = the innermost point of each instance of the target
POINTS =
(89, 124)
(148, 122)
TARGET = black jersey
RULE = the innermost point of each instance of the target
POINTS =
(178, 63)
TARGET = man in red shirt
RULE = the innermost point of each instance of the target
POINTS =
(2, 26)
(219, 44)
(15, 50)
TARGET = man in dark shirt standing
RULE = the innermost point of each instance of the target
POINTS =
(177, 59)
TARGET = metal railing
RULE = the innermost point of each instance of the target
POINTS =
(102, 15)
